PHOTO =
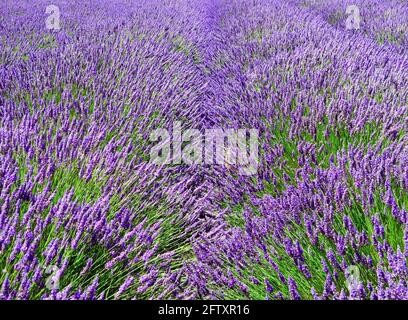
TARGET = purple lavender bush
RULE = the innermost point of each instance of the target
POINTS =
(85, 214)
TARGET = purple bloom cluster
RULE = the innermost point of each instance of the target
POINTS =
(85, 215)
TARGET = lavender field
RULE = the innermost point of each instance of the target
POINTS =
(94, 95)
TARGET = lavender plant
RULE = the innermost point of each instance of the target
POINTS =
(85, 214)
